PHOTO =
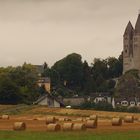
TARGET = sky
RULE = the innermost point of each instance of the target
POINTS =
(35, 31)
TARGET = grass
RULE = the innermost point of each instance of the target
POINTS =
(16, 109)
(12, 135)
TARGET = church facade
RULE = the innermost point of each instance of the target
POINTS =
(131, 46)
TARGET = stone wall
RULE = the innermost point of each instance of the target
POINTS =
(73, 101)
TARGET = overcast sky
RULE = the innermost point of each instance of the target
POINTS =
(47, 30)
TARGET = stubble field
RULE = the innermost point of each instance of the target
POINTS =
(34, 117)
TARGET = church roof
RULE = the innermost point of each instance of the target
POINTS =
(137, 26)
(129, 29)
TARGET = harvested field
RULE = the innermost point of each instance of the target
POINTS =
(37, 121)
(77, 112)
(40, 125)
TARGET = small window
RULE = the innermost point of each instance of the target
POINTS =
(125, 103)
(132, 103)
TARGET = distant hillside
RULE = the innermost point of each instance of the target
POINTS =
(128, 85)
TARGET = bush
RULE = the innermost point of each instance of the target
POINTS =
(99, 106)
(133, 109)
(121, 109)
(87, 105)
(104, 106)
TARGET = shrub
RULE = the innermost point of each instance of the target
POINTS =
(121, 109)
(104, 106)
(133, 109)
(87, 105)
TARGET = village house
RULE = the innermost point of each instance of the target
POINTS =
(100, 97)
(126, 102)
(94, 97)
(49, 101)
(46, 82)
(74, 101)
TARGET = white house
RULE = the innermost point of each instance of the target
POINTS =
(101, 97)
(125, 102)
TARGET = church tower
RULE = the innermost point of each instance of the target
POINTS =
(128, 48)
(131, 47)
(136, 44)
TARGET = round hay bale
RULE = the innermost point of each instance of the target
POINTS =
(35, 119)
(87, 118)
(63, 119)
(6, 117)
(91, 124)
(80, 119)
(56, 118)
(67, 119)
(67, 126)
(93, 117)
(129, 119)
(136, 118)
(19, 126)
(79, 127)
(50, 119)
(53, 127)
(116, 121)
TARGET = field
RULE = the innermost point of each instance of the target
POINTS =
(8, 135)
(34, 117)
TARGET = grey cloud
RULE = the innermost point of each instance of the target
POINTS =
(36, 30)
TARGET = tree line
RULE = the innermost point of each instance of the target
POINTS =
(70, 76)
(18, 84)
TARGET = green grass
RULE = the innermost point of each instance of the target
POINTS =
(12, 135)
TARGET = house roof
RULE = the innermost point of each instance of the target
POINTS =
(100, 94)
(124, 99)
(48, 95)
(44, 80)
(47, 80)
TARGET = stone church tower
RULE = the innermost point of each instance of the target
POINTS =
(131, 46)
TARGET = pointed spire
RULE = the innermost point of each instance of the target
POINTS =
(129, 29)
(137, 26)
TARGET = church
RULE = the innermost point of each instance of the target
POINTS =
(131, 46)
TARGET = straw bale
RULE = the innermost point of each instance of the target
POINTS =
(19, 126)
(53, 127)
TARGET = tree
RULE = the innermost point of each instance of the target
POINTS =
(18, 84)
(88, 81)
(70, 69)
(47, 70)
(114, 67)
(99, 67)
(8, 91)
